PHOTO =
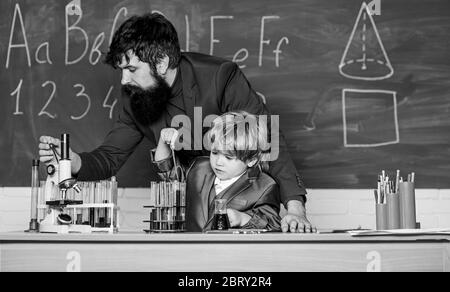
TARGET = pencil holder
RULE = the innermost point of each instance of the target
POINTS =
(393, 206)
(407, 205)
(381, 216)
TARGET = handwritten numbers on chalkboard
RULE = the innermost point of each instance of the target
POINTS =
(17, 93)
(43, 112)
(82, 93)
(111, 106)
(108, 102)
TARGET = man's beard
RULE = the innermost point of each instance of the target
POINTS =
(148, 105)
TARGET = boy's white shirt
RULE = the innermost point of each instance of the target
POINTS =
(220, 185)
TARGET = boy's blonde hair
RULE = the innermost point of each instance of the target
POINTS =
(240, 135)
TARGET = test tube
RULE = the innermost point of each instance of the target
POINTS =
(97, 199)
(183, 205)
(41, 201)
(101, 211)
(34, 225)
(79, 211)
(169, 206)
(114, 194)
(108, 199)
(154, 187)
(91, 201)
(85, 197)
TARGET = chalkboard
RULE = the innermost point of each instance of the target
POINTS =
(359, 88)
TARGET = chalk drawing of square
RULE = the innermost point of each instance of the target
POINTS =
(369, 117)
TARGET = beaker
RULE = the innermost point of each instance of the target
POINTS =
(220, 220)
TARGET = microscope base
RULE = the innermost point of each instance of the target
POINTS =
(65, 229)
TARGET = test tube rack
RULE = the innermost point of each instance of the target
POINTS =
(167, 207)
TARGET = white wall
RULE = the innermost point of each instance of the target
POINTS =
(327, 208)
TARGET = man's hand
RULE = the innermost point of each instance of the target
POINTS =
(46, 155)
(295, 220)
(237, 218)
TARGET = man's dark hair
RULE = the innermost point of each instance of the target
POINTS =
(150, 37)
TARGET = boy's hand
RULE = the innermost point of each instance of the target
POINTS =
(237, 218)
(168, 136)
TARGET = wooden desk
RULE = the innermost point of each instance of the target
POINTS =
(222, 252)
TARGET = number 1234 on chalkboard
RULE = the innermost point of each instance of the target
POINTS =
(81, 94)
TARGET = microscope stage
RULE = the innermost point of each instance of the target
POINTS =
(64, 202)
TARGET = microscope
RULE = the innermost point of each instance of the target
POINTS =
(59, 181)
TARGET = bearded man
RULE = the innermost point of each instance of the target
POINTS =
(158, 83)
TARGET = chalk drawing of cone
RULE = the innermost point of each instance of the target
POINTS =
(365, 57)
(369, 115)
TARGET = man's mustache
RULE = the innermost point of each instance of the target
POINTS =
(129, 89)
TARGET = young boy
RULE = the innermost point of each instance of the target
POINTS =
(234, 171)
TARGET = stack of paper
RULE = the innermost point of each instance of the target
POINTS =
(431, 231)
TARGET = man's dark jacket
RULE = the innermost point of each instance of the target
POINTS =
(216, 86)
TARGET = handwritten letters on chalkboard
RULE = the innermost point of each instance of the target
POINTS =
(42, 54)
(358, 86)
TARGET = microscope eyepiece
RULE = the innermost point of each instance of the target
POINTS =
(65, 146)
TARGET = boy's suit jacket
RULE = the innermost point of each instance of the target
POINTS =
(254, 193)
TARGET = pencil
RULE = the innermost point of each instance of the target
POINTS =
(397, 179)
(379, 191)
